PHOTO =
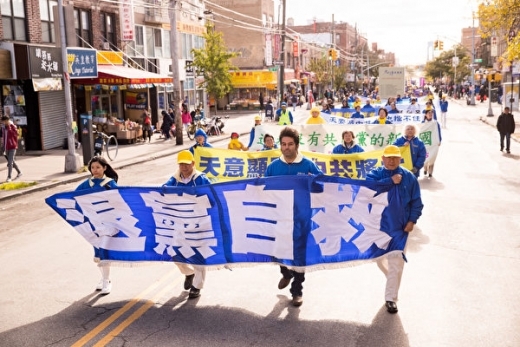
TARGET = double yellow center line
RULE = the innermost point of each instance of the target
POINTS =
(133, 317)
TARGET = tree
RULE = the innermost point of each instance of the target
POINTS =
(502, 18)
(442, 66)
(321, 69)
(213, 63)
(340, 74)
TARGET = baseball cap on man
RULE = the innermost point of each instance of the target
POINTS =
(258, 118)
(283, 104)
(391, 151)
(185, 157)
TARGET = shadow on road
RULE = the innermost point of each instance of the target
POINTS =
(431, 184)
(179, 322)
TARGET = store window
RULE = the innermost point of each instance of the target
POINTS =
(83, 26)
(108, 31)
(157, 43)
(139, 40)
(13, 20)
(47, 19)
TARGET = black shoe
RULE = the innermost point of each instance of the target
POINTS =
(430, 176)
(391, 307)
(501, 149)
(425, 172)
(194, 293)
(284, 282)
(508, 151)
(297, 301)
(188, 282)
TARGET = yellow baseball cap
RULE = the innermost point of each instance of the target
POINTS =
(185, 157)
(315, 109)
(258, 118)
(392, 151)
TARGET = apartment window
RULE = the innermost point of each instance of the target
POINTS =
(83, 27)
(47, 19)
(108, 31)
(139, 41)
(13, 20)
(157, 42)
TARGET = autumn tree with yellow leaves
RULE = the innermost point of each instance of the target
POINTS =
(501, 18)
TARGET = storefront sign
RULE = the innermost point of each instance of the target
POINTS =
(109, 58)
(136, 101)
(247, 79)
(191, 28)
(127, 20)
(82, 63)
(268, 50)
(45, 62)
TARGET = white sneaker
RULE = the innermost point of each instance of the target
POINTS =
(18, 176)
(107, 287)
(99, 286)
(8, 180)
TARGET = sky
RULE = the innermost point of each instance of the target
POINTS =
(401, 26)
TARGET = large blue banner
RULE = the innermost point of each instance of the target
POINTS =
(299, 221)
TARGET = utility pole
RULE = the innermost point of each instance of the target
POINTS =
(174, 47)
(72, 160)
(281, 69)
(332, 62)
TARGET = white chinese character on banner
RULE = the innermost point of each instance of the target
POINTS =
(108, 214)
(341, 216)
(263, 222)
(38, 52)
(182, 221)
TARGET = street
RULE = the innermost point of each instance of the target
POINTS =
(459, 288)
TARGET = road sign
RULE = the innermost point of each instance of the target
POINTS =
(479, 60)
(278, 62)
(455, 61)
(273, 68)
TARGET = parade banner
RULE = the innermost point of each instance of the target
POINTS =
(322, 138)
(395, 118)
(226, 165)
(303, 222)
(373, 112)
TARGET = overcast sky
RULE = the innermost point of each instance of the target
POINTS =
(401, 26)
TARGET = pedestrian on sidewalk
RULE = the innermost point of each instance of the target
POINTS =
(147, 126)
(166, 125)
(444, 109)
(410, 195)
(103, 176)
(506, 127)
(292, 163)
(9, 135)
(188, 176)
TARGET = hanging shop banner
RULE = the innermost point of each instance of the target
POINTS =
(136, 101)
(45, 62)
(127, 20)
(82, 63)
(47, 84)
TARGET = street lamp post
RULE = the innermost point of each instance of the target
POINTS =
(490, 110)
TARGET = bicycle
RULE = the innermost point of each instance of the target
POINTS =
(199, 123)
(105, 142)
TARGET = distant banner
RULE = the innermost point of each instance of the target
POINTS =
(395, 118)
(226, 165)
(301, 222)
(373, 112)
(322, 138)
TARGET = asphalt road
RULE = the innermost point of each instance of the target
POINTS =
(460, 285)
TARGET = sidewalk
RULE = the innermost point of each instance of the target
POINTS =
(47, 167)
(482, 109)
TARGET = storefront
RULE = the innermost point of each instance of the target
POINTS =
(32, 93)
(248, 85)
(119, 95)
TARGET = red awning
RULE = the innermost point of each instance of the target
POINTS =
(109, 74)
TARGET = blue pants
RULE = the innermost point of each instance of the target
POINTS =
(508, 141)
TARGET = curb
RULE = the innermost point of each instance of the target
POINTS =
(127, 163)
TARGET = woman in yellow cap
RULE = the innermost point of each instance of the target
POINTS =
(315, 117)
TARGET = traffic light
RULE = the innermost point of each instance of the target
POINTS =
(330, 53)
(334, 55)
(441, 45)
(435, 44)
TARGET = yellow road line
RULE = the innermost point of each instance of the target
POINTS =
(118, 313)
(134, 316)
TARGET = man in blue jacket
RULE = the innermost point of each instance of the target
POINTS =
(188, 176)
(417, 148)
(292, 163)
(410, 194)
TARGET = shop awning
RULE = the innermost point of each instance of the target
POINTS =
(109, 74)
